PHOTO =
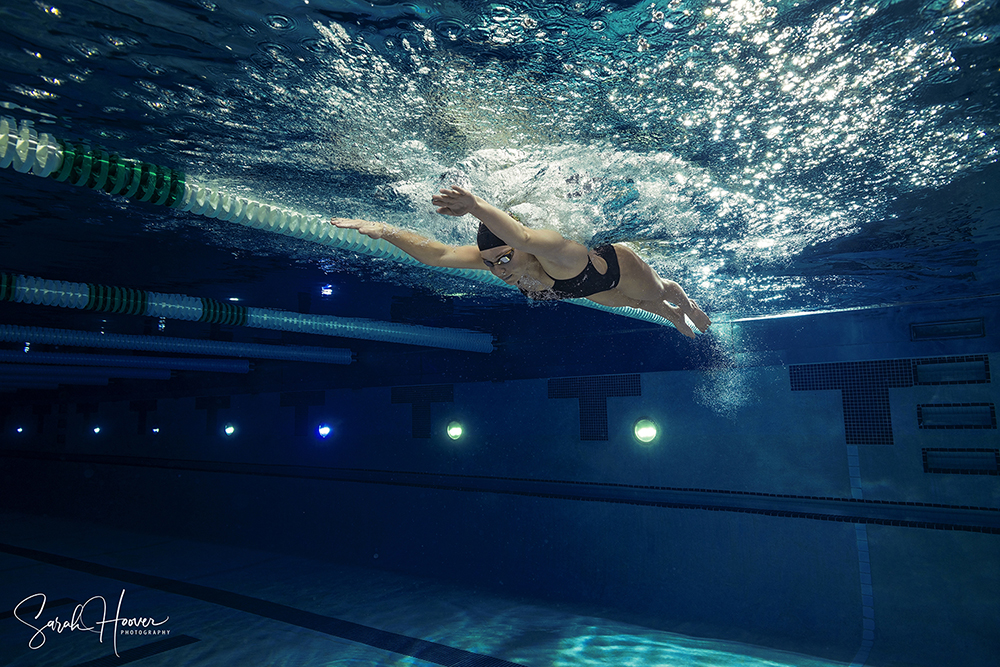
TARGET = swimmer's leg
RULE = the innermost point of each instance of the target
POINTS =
(616, 299)
(639, 281)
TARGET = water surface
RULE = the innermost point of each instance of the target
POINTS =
(772, 157)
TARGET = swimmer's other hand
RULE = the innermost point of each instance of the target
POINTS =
(454, 201)
(374, 230)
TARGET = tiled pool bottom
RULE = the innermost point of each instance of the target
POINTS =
(216, 605)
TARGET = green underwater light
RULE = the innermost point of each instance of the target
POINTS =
(645, 431)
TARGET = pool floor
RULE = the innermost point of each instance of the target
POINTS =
(217, 605)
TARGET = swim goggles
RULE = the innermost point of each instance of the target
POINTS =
(502, 259)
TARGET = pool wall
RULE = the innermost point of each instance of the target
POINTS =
(790, 499)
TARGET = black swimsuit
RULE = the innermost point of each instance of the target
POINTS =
(587, 282)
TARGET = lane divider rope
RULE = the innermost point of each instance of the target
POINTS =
(26, 150)
(69, 337)
(40, 291)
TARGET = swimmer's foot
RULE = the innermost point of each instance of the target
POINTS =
(698, 317)
(676, 318)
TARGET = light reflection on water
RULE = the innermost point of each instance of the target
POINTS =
(737, 144)
(630, 650)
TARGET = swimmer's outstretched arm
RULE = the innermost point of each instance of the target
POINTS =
(420, 248)
(545, 243)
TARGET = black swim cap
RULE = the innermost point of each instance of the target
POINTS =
(486, 239)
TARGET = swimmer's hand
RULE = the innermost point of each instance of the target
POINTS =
(374, 230)
(454, 201)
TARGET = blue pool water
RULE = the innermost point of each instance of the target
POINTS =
(773, 157)
(820, 176)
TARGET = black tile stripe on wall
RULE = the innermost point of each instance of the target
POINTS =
(934, 516)
(593, 393)
(61, 423)
(142, 410)
(211, 405)
(864, 387)
(43, 411)
(301, 401)
(420, 398)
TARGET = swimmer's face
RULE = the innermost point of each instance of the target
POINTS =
(504, 262)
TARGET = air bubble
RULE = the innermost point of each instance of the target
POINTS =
(262, 62)
(274, 49)
(315, 45)
(148, 66)
(279, 22)
(649, 28)
(86, 49)
(119, 42)
(450, 29)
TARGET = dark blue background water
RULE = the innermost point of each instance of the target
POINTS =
(773, 158)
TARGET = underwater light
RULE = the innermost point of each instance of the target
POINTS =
(324, 431)
(229, 430)
(156, 429)
(645, 430)
(326, 290)
(20, 429)
(97, 429)
(454, 430)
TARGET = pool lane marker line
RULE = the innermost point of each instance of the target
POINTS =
(27, 151)
(867, 600)
(864, 564)
(90, 296)
(422, 649)
(75, 338)
(33, 608)
(140, 652)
